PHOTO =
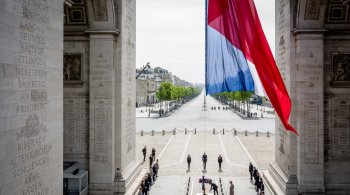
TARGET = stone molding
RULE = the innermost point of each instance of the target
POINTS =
(115, 32)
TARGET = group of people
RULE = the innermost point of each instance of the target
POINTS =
(152, 174)
(204, 160)
(223, 108)
(258, 182)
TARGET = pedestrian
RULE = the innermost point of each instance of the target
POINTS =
(154, 153)
(188, 162)
(262, 187)
(149, 178)
(145, 186)
(254, 172)
(144, 151)
(150, 161)
(220, 161)
(214, 187)
(154, 169)
(257, 180)
(232, 188)
(204, 159)
(251, 170)
(157, 167)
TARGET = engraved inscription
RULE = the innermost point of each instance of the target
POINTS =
(101, 145)
(100, 9)
(312, 10)
(341, 128)
(311, 129)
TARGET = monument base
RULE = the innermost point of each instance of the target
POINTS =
(279, 182)
(123, 181)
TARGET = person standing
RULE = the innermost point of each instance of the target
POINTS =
(150, 161)
(157, 167)
(232, 188)
(154, 153)
(262, 187)
(204, 159)
(220, 161)
(154, 168)
(251, 170)
(188, 162)
(144, 151)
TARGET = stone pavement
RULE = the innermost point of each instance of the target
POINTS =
(237, 152)
(191, 116)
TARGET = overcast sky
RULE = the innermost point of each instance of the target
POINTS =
(170, 34)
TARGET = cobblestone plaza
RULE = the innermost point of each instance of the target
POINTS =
(237, 151)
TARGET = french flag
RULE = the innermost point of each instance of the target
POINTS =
(238, 57)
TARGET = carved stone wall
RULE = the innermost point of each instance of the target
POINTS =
(314, 60)
(31, 122)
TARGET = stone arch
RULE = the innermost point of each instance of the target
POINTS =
(312, 44)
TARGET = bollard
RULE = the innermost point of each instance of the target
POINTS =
(185, 130)
(214, 131)
(195, 131)
(262, 116)
(223, 131)
(268, 134)
(152, 132)
(235, 132)
(141, 133)
(246, 133)
(163, 132)
(174, 131)
(257, 133)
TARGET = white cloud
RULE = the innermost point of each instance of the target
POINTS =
(170, 34)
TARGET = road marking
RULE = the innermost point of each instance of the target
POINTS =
(183, 153)
(223, 148)
(191, 187)
(226, 155)
(246, 152)
(185, 149)
(165, 147)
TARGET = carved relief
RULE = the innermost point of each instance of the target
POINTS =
(341, 70)
(100, 10)
(32, 127)
(72, 68)
(312, 10)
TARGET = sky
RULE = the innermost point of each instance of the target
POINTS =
(171, 34)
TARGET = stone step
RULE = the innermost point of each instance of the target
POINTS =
(271, 184)
(134, 187)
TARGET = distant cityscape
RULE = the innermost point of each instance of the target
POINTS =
(148, 81)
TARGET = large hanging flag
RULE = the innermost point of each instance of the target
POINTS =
(238, 57)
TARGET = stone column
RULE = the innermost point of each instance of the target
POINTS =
(102, 113)
(127, 168)
(31, 97)
(310, 63)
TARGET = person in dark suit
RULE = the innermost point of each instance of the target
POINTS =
(220, 162)
(154, 169)
(188, 162)
(150, 161)
(214, 187)
(251, 170)
(262, 187)
(154, 153)
(144, 151)
(204, 159)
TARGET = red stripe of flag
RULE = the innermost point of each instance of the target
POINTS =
(238, 22)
